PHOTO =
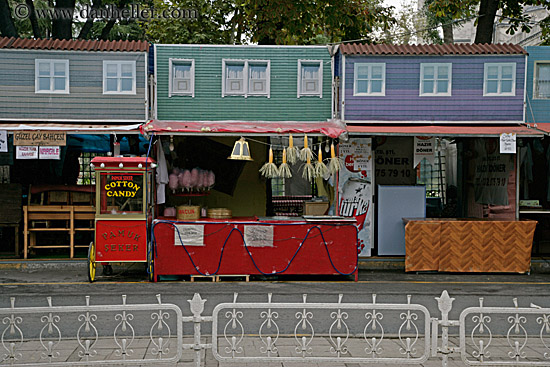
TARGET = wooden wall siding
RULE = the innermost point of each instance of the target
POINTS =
(457, 245)
(208, 103)
(403, 103)
(537, 110)
(85, 100)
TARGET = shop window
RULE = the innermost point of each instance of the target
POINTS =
(435, 79)
(369, 79)
(246, 78)
(51, 76)
(542, 80)
(310, 78)
(86, 175)
(182, 77)
(433, 176)
(119, 77)
(499, 79)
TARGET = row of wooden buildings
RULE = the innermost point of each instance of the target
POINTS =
(112, 96)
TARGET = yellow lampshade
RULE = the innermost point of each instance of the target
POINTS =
(241, 151)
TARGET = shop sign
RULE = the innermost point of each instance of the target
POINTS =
(355, 189)
(3, 141)
(121, 241)
(492, 170)
(49, 152)
(24, 152)
(258, 236)
(44, 138)
(188, 235)
(394, 161)
(508, 143)
(122, 186)
(424, 147)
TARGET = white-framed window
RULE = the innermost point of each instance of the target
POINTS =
(541, 82)
(119, 77)
(51, 76)
(246, 78)
(310, 78)
(436, 79)
(182, 77)
(499, 79)
(369, 79)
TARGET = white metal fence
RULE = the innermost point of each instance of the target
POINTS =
(261, 332)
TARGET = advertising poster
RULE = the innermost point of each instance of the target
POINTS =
(491, 173)
(394, 161)
(49, 152)
(23, 152)
(3, 141)
(424, 148)
(355, 188)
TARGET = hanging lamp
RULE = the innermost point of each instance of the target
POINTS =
(241, 151)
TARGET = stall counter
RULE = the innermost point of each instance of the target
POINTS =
(468, 245)
(255, 246)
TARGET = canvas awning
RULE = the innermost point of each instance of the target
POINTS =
(72, 128)
(332, 128)
(450, 130)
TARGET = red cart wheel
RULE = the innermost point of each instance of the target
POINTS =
(91, 262)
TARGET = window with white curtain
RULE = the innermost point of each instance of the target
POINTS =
(246, 78)
(435, 79)
(499, 79)
(369, 79)
(310, 78)
(51, 76)
(182, 77)
(119, 77)
(542, 80)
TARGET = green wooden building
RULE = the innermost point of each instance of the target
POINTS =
(242, 83)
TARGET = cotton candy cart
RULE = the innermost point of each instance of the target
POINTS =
(123, 212)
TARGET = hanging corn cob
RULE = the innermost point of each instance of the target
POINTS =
(284, 169)
(335, 163)
(269, 169)
(293, 152)
(321, 169)
(305, 153)
(308, 172)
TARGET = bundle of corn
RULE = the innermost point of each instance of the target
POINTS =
(335, 163)
(269, 169)
(321, 169)
(306, 153)
(293, 152)
(284, 169)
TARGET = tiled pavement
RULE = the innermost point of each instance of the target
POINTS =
(69, 351)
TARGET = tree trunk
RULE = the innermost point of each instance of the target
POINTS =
(107, 29)
(487, 12)
(87, 27)
(448, 33)
(7, 27)
(36, 31)
(62, 27)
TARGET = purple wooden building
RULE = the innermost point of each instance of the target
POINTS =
(430, 83)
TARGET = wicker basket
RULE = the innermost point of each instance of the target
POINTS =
(188, 212)
(219, 213)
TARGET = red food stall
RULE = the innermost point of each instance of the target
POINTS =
(123, 211)
(247, 242)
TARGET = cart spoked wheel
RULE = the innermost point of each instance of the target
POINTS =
(91, 262)
(107, 270)
(150, 267)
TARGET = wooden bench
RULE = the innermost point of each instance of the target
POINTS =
(33, 215)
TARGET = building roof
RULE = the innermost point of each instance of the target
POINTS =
(447, 49)
(73, 45)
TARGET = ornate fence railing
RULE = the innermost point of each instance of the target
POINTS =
(284, 332)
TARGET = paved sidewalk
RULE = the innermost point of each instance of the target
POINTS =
(32, 353)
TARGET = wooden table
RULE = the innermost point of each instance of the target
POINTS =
(32, 214)
(468, 245)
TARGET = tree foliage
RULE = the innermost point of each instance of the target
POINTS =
(510, 11)
(217, 21)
